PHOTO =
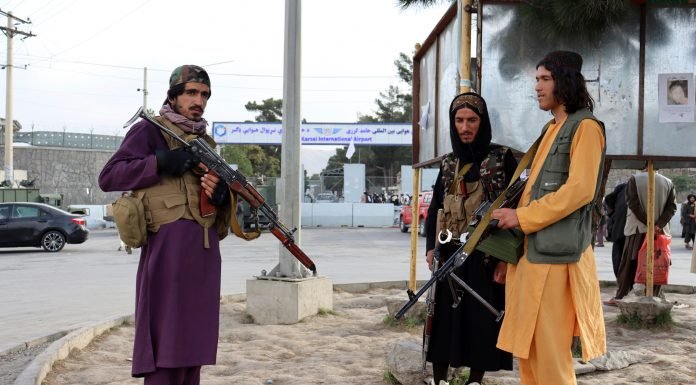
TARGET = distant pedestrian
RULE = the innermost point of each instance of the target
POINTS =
(602, 227)
(636, 227)
(689, 221)
(403, 199)
(616, 210)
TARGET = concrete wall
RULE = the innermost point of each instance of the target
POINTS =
(347, 214)
(353, 182)
(68, 171)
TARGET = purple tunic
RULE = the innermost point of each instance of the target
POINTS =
(177, 301)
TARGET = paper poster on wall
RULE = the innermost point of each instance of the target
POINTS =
(675, 94)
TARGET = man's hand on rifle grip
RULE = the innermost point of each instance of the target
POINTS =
(215, 189)
(429, 258)
(507, 218)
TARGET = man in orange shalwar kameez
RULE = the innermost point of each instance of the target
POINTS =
(552, 294)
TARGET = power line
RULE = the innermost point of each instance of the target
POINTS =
(92, 36)
(54, 12)
(55, 59)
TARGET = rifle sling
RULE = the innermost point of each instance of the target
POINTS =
(481, 227)
(236, 228)
(460, 174)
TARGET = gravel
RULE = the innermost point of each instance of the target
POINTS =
(13, 363)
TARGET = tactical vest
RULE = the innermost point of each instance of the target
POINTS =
(462, 198)
(565, 240)
(174, 198)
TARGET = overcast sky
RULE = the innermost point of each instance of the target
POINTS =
(85, 65)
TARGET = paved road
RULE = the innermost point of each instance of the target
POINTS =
(42, 293)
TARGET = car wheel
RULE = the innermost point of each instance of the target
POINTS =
(402, 225)
(53, 241)
(421, 227)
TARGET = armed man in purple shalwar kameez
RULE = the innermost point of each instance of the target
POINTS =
(178, 282)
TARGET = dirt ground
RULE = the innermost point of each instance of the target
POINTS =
(348, 346)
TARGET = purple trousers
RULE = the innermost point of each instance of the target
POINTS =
(174, 376)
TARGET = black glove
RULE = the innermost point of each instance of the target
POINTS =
(221, 194)
(175, 162)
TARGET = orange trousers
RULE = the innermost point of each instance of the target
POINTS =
(550, 360)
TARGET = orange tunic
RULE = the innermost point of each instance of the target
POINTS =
(526, 282)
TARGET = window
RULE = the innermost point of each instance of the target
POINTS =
(4, 212)
(26, 212)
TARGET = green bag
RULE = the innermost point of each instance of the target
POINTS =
(129, 215)
(506, 245)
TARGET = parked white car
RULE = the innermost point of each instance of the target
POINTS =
(96, 216)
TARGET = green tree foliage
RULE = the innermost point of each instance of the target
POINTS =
(591, 18)
(265, 159)
(558, 23)
(393, 106)
(236, 154)
(683, 184)
(270, 110)
(255, 160)
(420, 3)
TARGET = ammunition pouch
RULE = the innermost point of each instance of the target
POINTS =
(505, 245)
(458, 211)
(129, 215)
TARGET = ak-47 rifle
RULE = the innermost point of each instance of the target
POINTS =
(238, 183)
(512, 196)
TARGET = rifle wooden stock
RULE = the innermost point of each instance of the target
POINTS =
(207, 209)
(292, 247)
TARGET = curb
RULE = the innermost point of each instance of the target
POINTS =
(64, 342)
(41, 365)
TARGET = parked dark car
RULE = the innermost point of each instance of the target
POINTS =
(39, 225)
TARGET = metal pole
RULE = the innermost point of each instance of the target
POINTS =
(9, 122)
(289, 209)
(414, 228)
(650, 211)
(145, 89)
(465, 48)
(479, 45)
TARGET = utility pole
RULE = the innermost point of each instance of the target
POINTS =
(290, 204)
(144, 89)
(9, 119)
